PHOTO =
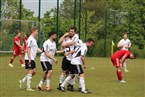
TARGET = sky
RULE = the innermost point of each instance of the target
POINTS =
(46, 5)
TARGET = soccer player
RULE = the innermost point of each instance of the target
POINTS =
(32, 49)
(47, 58)
(24, 42)
(71, 44)
(124, 44)
(17, 50)
(118, 59)
(77, 61)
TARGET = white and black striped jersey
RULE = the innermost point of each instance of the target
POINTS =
(79, 51)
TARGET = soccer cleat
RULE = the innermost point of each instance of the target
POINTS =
(39, 88)
(48, 88)
(22, 65)
(62, 88)
(86, 92)
(20, 84)
(126, 70)
(122, 81)
(31, 90)
(70, 87)
(11, 65)
(59, 88)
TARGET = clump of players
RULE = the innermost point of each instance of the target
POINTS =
(73, 63)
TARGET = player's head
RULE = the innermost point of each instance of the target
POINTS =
(72, 31)
(34, 31)
(124, 35)
(67, 37)
(89, 42)
(18, 34)
(52, 35)
(26, 35)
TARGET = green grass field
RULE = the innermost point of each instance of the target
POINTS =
(100, 78)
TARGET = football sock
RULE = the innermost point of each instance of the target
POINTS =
(29, 77)
(79, 85)
(66, 81)
(82, 82)
(119, 75)
(61, 79)
(47, 82)
(124, 65)
(11, 61)
(24, 79)
(21, 61)
(41, 82)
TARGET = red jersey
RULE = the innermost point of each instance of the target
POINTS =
(120, 53)
(25, 45)
(16, 47)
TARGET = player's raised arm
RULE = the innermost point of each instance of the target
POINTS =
(62, 38)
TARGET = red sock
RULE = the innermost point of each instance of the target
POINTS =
(21, 61)
(11, 61)
(119, 75)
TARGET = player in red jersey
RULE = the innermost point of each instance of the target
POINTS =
(118, 59)
(17, 50)
(24, 42)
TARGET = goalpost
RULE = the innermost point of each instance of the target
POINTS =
(8, 30)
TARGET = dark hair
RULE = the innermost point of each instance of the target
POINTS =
(33, 29)
(74, 28)
(27, 34)
(90, 40)
(124, 33)
(51, 33)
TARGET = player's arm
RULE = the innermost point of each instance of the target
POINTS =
(59, 51)
(18, 44)
(123, 59)
(39, 50)
(51, 57)
(68, 44)
(29, 54)
(120, 44)
(62, 38)
(83, 61)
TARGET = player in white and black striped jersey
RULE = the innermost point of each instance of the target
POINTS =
(68, 41)
(77, 61)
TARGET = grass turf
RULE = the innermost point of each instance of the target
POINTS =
(100, 77)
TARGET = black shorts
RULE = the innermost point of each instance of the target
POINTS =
(76, 69)
(66, 65)
(46, 66)
(30, 66)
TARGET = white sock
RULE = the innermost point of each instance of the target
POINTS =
(79, 84)
(82, 82)
(66, 81)
(124, 65)
(41, 82)
(47, 82)
(72, 81)
(29, 77)
(24, 79)
(61, 79)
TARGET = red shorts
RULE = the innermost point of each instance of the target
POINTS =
(116, 62)
(17, 52)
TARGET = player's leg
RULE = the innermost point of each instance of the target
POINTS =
(125, 67)
(21, 59)
(42, 81)
(11, 60)
(48, 78)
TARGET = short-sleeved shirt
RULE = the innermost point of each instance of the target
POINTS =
(51, 48)
(68, 49)
(120, 53)
(79, 51)
(16, 47)
(32, 44)
(75, 38)
(124, 43)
